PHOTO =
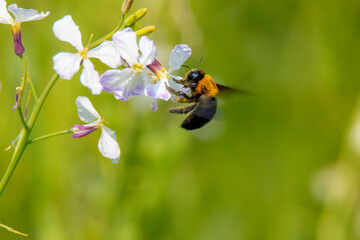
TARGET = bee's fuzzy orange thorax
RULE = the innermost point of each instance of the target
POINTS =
(207, 86)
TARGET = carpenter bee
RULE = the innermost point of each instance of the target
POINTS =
(202, 94)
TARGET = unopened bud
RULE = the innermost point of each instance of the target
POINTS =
(126, 6)
(140, 14)
(18, 47)
(130, 20)
(82, 130)
(145, 31)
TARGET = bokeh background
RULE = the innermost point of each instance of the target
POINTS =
(281, 164)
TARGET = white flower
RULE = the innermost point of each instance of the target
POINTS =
(21, 15)
(67, 64)
(157, 88)
(130, 81)
(108, 146)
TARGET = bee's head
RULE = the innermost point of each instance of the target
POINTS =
(195, 75)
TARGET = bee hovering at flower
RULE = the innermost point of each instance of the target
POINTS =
(203, 90)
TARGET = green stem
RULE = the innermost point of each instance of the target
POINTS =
(19, 108)
(108, 36)
(50, 136)
(25, 133)
(27, 76)
(13, 230)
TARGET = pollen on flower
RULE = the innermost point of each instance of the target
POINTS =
(138, 67)
(162, 73)
(83, 53)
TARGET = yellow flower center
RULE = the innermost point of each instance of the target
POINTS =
(137, 67)
(162, 73)
(83, 53)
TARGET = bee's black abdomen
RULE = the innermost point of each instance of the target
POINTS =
(202, 114)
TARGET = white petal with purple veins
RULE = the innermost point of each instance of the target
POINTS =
(108, 146)
(86, 110)
(114, 78)
(133, 87)
(66, 64)
(26, 15)
(107, 53)
(4, 14)
(90, 78)
(148, 51)
(158, 90)
(66, 30)
(178, 56)
(125, 43)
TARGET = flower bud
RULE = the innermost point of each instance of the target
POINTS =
(18, 47)
(126, 6)
(130, 20)
(82, 130)
(140, 14)
(145, 31)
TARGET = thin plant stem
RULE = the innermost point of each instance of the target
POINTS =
(25, 134)
(55, 134)
(28, 78)
(10, 229)
(23, 120)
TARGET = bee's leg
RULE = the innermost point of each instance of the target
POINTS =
(178, 93)
(184, 100)
(192, 85)
(178, 81)
(182, 110)
(186, 84)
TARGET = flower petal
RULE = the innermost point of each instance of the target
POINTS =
(26, 15)
(90, 77)
(86, 110)
(176, 77)
(148, 50)
(107, 53)
(66, 30)
(158, 90)
(108, 146)
(66, 64)
(178, 56)
(125, 43)
(133, 87)
(114, 78)
(4, 14)
(153, 105)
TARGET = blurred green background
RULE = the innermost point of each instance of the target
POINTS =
(255, 172)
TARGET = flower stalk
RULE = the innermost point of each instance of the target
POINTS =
(25, 134)
(49, 136)
(10, 229)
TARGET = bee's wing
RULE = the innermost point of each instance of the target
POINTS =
(202, 114)
(225, 90)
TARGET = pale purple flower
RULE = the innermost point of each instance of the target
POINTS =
(157, 88)
(67, 64)
(108, 146)
(130, 81)
(20, 15)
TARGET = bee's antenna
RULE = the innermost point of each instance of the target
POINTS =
(186, 67)
(199, 62)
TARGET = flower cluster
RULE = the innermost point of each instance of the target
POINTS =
(134, 69)
(140, 74)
